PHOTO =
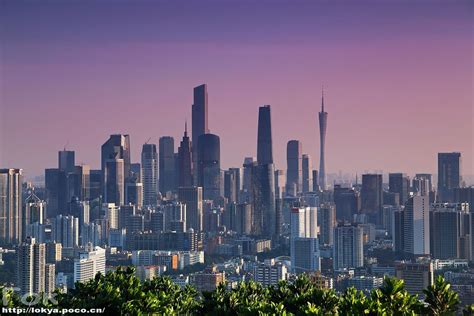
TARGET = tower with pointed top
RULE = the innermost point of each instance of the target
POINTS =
(323, 118)
(185, 164)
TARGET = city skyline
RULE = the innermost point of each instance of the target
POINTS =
(79, 93)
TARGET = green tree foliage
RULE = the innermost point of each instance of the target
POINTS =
(121, 293)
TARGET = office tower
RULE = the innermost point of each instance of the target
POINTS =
(263, 182)
(185, 161)
(449, 175)
(398, 230)
(49, 279)
(243, 219)
(323, 119)
(422, 185)
(112, 214)
(269, 272)
(348, 246)
(66, 161)
(417, 226)
(199, 119)
(208, 166)
(65, 230)
(95, 190)
(31, 267)
(114, 175)
(174, 212)
(326, 220)
(464, 195)
(11, 206)
(117, 147)
(307, 174)
(280, 184)
(304, 246)
(150, 174)
(372, 196)
(134, 193)
(248, 164)
(388, 219)
(57, 195)
(192, 197)
(399, 183)
(157, 221)
(347, 202)
(417, 275)
(232, 185)
(81, 182)
(449, 226)
(315, 181)
(167, 164)
(91, 234)
(391, 198)
(294, 178)
(89, 263)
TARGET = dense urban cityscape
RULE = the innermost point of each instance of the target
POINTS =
(177, 213)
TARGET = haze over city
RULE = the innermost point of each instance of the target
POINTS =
(397, 78)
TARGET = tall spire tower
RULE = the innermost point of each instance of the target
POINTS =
(323, 118)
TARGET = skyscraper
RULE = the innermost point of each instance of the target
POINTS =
(199, 118)
(294, 178)
(449, 178)
(31, 260)
(114, 176)
(307, 174)
(323, 119)
(263, 179)
(326, 221)
(11, 205)
(372, 196)
(208, 166)
(66, 160)
(185, 163)
(416, 229)
(399, 183)
(167, 164)
(150, 174)
(192, 197)
(304, 247)
(348, 246)
(116, 147)
(347, 202)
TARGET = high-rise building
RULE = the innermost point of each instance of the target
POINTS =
(306, 167)
(117, 147)
(150, 174)
(89, 263)
(31, 267)
(263, 181)
(11, 206)
(49, 278)
(34, 212)
(327, 221)
(232, 185)
(114, 177)
(449, 226)
(65, 230)
(199, 118)
(280, 184)
(348, 246)
(449, 175)
(185, 161)
(294, 178)
(192, 197)
(399, 183)
(304, 246)
(208, 166)
(167, 164)
(464, 195)
(347, 202)
(56, 192)
(315, 181)
(417, 275)
(372, 196)
(323, 119)
(66, 160)
(416, 228)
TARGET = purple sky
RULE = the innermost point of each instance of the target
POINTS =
(397, 76)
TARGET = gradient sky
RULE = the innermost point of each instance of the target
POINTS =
(398, 78)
